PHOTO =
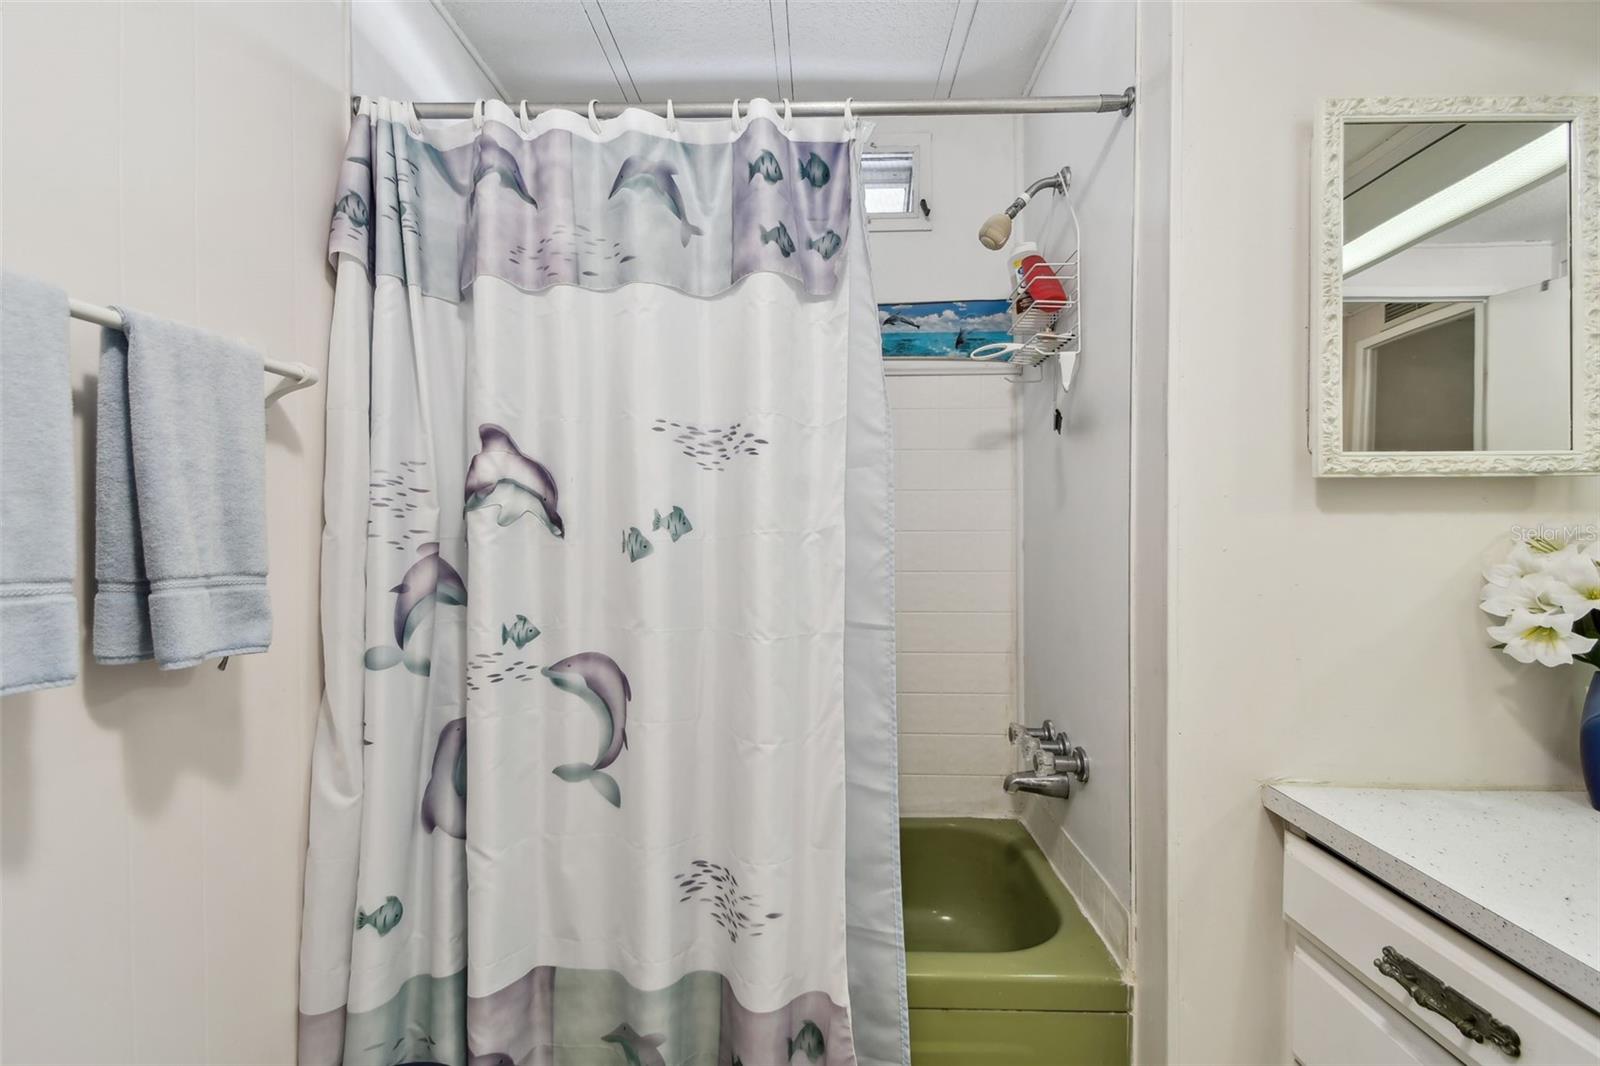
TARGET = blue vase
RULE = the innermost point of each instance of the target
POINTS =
(1589, 742)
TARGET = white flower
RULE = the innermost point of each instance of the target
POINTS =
(1574, 583)
(1541, 638)
(1522, 561)
(1534, 593)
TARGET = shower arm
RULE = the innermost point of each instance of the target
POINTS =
(1060, 181)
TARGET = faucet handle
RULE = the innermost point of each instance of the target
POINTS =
(1016, 731)
(1072, 761)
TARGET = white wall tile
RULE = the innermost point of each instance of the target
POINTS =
(992, 631)
(954, 672)
(963, 591)
(957, 755)
(954, 469)
(966, 713)
(939, 550)
(975, 428)
(956, 512)
(939, 795)
(950, 391)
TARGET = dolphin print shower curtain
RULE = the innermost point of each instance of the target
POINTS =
(605, 768)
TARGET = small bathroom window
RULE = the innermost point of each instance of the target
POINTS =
(894, 183)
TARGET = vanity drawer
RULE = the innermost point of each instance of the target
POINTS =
(1359, 922)
(1338, 1021)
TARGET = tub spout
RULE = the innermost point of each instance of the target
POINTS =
(1056, 761)
(1057, 785)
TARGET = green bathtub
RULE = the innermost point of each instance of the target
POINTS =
(1002, 969)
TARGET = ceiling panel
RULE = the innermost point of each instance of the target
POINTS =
(542, 50)
(571, 50)
(866, 49)
(1006, 40)
(698, 49)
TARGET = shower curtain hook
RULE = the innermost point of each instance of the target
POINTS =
(594, 120)
(788, 117)
(413, 123)
(736, 114)
(849, 115)
(672, 120)
(477, 114)
(522, 110)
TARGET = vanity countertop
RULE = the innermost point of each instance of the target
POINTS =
(1518, 871)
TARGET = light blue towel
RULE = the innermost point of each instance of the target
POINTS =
(38, 539)
(180, 497)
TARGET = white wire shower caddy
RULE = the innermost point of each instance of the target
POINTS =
(1042, 330)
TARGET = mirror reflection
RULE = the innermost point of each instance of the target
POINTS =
(1457, 305)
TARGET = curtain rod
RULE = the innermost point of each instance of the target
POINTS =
(999, 105)
(296, 375)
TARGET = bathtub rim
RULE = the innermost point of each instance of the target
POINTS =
(1071, 971)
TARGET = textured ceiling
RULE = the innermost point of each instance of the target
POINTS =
(646, 50)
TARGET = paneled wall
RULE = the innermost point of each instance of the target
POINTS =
(178, 158)
(1077, 485)
(1321, 630)
(955, 504)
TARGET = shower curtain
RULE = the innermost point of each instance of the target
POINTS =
(605, 767)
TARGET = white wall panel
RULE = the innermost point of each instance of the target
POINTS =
(1077, 484)
(179, 158)
(1366, 659)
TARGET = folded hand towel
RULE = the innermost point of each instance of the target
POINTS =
(38, 548)
(180, 497)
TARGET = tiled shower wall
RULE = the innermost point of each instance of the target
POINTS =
(955, 502)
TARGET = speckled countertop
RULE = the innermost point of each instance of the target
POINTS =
(1518, 871)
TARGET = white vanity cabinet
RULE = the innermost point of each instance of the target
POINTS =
(1377, 976)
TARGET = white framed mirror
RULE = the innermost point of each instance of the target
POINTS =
(1456, 287)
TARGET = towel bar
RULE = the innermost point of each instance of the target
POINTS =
(295, 376)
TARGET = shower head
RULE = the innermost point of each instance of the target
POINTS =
(995, 232)
(996, 229)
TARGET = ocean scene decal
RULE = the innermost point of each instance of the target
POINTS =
(943, 330)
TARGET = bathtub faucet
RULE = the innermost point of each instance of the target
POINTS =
(1056, 761)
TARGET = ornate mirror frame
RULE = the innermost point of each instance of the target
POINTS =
(1327, 298)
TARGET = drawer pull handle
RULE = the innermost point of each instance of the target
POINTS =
(1473, 1021)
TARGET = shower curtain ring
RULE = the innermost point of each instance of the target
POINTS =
(522, 111)
(594, 120)
(409, 116)
(849, 115)
(672, 120)
(736, 114)
(477, 114)
(788, 117)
